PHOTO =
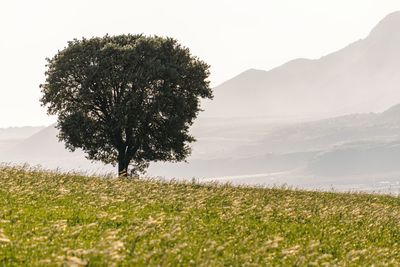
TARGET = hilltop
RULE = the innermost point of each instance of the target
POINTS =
(49, 219)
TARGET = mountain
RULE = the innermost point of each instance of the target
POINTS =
(44, 149)
(13, 135)
(362, 77)
(369, 157)
(356, 149)
(18, 133)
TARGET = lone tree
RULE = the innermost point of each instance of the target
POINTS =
(127, 99)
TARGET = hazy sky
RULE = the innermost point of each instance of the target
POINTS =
(231, 36)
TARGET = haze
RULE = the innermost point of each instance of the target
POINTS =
(232, 36)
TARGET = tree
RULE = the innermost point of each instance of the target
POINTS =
(127, 99)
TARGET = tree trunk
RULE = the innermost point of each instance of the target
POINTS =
(123, 164)
(122, 169)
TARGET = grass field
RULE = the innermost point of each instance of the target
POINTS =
(50, 219)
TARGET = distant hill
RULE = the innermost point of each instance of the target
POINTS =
(358, 158)
(18, 133)
(351, 149)
(43, 148)
(347, 149)
(9, 137)
(362, 77)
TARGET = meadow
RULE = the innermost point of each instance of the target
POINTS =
(55, 219)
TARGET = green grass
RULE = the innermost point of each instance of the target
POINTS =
(50, 219)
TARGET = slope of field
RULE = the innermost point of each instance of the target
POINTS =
(49, 219)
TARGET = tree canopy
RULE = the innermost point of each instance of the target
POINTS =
(127, 99)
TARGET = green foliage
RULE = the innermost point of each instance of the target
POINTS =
(51, 219)
(126, 99)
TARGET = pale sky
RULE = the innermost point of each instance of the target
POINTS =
(232, 36)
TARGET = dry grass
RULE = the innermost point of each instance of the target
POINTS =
(52, 219)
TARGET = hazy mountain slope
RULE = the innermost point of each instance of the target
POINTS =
(9, 137)
(358, 158)
(322, 135)
(361, 77)
(42, 144)
(358, 144)
(43, 148)
(18, 133)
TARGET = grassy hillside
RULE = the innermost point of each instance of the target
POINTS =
(55, 219)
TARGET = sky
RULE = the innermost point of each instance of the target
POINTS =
(232, 36)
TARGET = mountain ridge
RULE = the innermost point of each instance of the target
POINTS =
(358, 78)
